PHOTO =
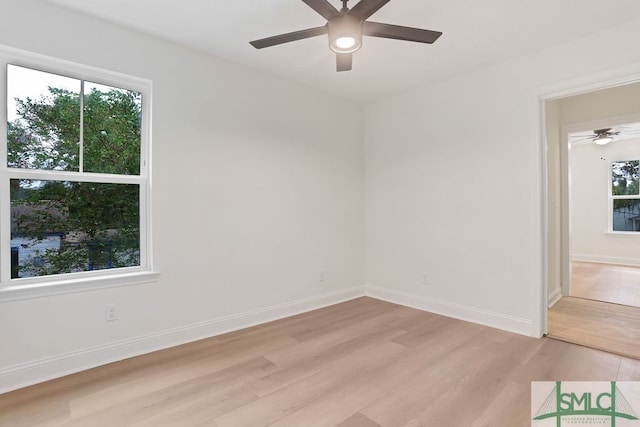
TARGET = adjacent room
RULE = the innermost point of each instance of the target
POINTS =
(595, 282)
(308, 212)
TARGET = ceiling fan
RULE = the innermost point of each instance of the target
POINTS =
(346, 27)
(602, 136)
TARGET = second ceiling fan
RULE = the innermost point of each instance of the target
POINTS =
(346, 27)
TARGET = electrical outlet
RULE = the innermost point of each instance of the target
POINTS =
(110, 313)
(322, 276)
(425, 279)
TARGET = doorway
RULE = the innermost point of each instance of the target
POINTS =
(603, 166)
(593, 265)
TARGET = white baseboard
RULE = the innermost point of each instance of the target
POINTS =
(554, 297)
(457, 311)
(635, 262)
(23, 375)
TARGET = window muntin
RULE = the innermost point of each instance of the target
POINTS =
(625, 196)
(42, 154)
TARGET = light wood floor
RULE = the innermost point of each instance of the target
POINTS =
(603, 311)
(596, 324)
(361, 363)
(606, 282)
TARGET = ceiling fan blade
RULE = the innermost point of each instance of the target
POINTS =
(289, 37)
(366, 8)
(343, 61)
(388, 31)
(323, 7)
(589, 138)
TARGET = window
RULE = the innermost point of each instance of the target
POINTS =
(625, 196)
(74, 183)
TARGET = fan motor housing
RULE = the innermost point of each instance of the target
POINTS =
(345, 33)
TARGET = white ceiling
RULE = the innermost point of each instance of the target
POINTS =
(476, 34)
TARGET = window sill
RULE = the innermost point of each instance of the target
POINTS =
(68, 286)
(623, 233)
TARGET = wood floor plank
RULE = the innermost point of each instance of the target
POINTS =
(163, 396)
(200, 410)
(358, 420)
(45, 414)
(629, 370)
(618, 284)
(337, 322)
(551, 362)
(442, 370)
(322, 359)
(594, 366)
(605, 326)
(228, 357)
(511, 403)
(473, 383)
(355, 328)
(363, 363)
(329, 409)
(298, 395)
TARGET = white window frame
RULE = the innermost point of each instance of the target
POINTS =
(623, 197)
(32, 287)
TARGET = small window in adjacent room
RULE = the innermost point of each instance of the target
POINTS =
(75, 184)
(625, 196)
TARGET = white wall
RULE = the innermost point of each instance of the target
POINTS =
(453, 183)
(590, 181)
(253, 195)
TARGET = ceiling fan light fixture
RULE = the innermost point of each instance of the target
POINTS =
(345, 34)
(347, 42)
(603, 139)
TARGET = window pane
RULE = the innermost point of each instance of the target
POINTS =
(64, 227)
(43, 120)
(624, 178)
(112, 119)
(626, 215)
